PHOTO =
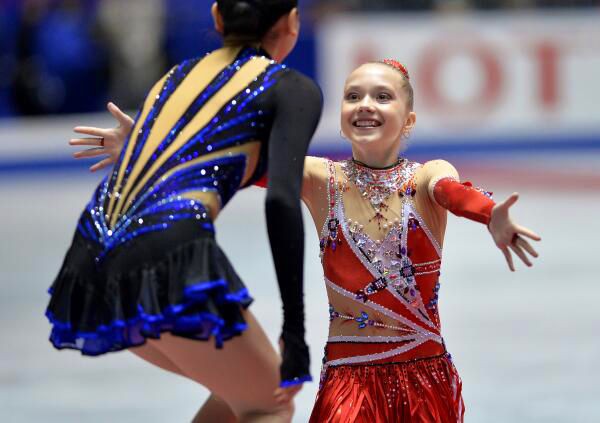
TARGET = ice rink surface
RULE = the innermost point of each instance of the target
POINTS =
(526, 343)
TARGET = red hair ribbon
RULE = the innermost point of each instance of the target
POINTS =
(397, 65)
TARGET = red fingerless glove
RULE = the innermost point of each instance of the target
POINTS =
(464, 200)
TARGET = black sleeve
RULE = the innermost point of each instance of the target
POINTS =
(297, 108)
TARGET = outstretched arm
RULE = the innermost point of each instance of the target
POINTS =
(104, 142)
(462, 199)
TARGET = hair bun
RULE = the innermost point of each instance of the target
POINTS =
(242, 17)
(252, 19)
(243, 8)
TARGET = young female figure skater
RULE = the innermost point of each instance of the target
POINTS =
(144, 272)
(382, 222)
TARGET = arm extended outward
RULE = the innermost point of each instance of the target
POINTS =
(462, 199)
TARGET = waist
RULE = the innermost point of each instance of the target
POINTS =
(349, 350)
(140, 241)
(189, 173)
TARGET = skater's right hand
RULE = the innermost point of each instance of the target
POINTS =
(105, 141)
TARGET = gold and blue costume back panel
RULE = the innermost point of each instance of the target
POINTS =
(197, 139)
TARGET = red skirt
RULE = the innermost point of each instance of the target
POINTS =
(425, 391)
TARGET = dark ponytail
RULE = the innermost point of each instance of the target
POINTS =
(250, 20)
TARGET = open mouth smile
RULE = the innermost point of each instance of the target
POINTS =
(366, 123)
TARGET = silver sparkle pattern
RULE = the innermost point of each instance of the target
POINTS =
(389, 259)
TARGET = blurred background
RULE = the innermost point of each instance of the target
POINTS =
(508, 90)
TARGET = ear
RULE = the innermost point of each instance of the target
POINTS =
(217, 18)
(293, 22)
(409, 125)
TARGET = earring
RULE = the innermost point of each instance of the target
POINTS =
(342, 134)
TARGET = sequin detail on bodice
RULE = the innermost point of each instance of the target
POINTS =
(188, 140)
(396, 277)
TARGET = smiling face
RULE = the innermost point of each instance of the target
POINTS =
(375, 107)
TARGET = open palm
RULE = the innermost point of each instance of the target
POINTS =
(508, 236)
(104, 142)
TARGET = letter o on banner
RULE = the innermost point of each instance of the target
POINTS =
(433, 95)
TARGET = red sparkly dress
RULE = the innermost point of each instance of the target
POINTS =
(385, 359)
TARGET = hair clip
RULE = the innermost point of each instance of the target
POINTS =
(397, 65)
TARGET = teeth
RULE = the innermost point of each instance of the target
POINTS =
(366, 123)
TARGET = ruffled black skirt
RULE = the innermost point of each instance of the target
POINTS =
(176, 280)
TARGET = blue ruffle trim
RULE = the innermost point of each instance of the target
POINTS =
(296, 381)
(123, 334)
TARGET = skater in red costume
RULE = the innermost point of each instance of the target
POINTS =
(382, 220)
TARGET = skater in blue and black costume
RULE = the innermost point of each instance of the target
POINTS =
(144, 271)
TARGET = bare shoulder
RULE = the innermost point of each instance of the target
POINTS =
(436, 168)
(433, 170)
(433, 165)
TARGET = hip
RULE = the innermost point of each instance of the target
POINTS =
(426, 389)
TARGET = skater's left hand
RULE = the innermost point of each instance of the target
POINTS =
(285, 395)
(509, 236)
(104, 142)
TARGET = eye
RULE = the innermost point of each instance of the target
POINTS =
(352, 96)
(384, 97)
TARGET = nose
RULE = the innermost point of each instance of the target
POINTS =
(365, 105)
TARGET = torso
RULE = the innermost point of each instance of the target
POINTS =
(198, 139)
(382, 279)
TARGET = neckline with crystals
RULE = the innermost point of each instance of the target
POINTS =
(377, 185)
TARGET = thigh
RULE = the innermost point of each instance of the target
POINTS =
(244, 373)
(150, 353)
(214, 409)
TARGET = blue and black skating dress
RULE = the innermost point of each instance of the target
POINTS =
(144, 259)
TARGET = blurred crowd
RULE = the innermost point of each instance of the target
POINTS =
(71, 56)
(442, 5)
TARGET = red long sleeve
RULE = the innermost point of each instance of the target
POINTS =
(462, 199)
